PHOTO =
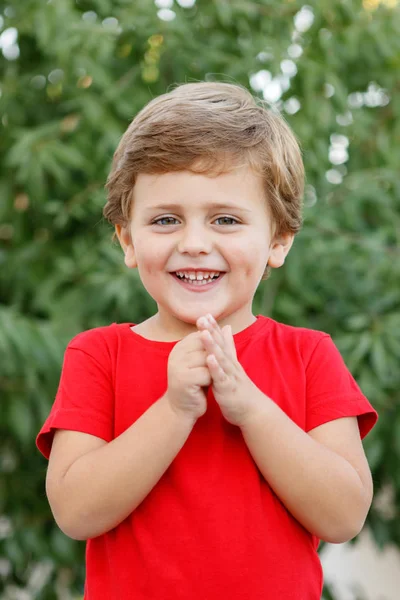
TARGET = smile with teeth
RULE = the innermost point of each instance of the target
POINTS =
(197, 277)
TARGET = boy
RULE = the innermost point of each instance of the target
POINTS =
(204, 452)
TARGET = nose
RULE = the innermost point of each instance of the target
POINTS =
(194, 240)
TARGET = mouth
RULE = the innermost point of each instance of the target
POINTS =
(198, 279)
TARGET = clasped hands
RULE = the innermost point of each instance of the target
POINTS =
(233, 390)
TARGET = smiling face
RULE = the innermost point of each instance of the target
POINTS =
(201, 245)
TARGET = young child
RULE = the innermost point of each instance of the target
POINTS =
(204, 452)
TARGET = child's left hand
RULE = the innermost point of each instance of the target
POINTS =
(233, 389)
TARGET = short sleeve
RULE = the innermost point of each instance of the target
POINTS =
(332, 392)
(85, 399)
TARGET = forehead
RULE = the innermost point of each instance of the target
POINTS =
(240, 187)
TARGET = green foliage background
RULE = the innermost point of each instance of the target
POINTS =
(84, 69)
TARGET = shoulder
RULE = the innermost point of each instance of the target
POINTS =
(297, 333)
(299, 340)
(99, 341)
(93, 336)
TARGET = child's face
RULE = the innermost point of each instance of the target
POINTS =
(196, 225)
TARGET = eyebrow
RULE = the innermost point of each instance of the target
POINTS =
(177, 207)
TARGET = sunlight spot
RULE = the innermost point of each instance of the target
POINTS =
(295, 51)
(186, 3)
(376, 96)
(334, 176)
(11, 52)
(329, 90)
(259, 80)
(110, 23)
(310, 196)
(356, 100)
(292, 105)
(9, 12)
(165, 14)
(338, 155)
(284, 82)
(288, 68)
(339, 140)
(272, 92)
(345, 119)
(164, 3)
(304, 19)
(89, 16)
(38, 82)
(56, 76)
(8, 37)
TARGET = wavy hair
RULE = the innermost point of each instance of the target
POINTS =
(210, 128)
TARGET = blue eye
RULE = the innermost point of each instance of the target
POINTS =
(165, 221)
(227, 221)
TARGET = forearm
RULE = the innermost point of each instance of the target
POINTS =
(104, 486)
(320, 488)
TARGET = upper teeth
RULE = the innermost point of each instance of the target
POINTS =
(199, 275)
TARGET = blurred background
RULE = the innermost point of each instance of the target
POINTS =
(72, 76)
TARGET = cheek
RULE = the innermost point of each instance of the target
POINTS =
(249, 254)
(151, 254)
(150, 263)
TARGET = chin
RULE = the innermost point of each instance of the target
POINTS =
(190, 318)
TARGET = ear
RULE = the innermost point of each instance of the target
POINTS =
(125, 239)
(279, 250)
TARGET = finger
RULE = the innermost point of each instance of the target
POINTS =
(208, 323)
(194, 344)
(217, 373)
(229, 341)
(208, 341)
(202, 323)
(202, 376)
(212, 348)
(215, 329)
(223, 337)
(196, 359)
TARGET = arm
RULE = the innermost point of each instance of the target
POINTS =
(322, 477)
(93, 485)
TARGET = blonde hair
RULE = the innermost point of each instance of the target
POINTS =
(210, 128)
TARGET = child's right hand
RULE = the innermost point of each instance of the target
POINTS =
(188, 374)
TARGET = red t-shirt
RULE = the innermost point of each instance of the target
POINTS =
(211, 528)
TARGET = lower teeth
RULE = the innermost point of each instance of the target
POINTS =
(197, 281)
